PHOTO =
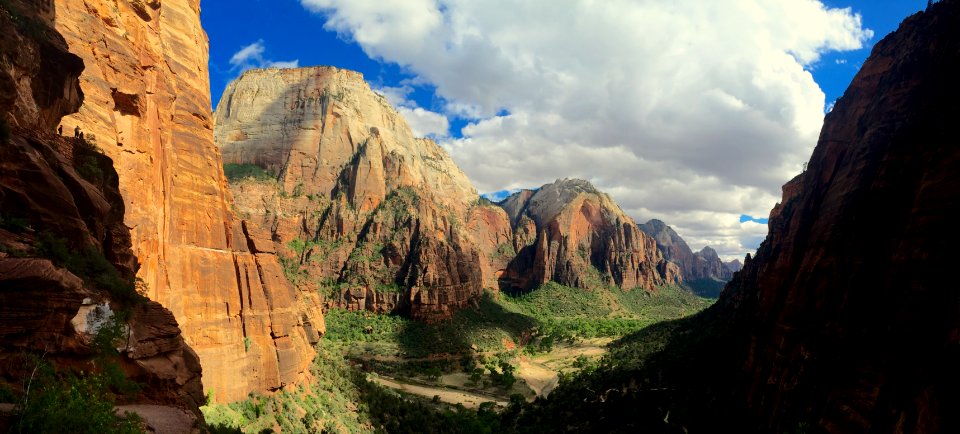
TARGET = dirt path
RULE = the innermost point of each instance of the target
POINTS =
(537, 376)
(469, 400)
(162, 419)
(159, 419)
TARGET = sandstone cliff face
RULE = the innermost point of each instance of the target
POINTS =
(57, 193)
(702, 265)
(364, 211)
(850, 305)
(147, 106)
(570, 233)
(734, 266)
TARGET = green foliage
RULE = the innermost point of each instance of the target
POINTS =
(67, 402)
(7, 395)
(237, 172)
(708, 288)
(87, 161)
(246, 343)
(13, 223)
(566, 313)
(384, 288)
(89, 264)
(332, 403)
(504, 250)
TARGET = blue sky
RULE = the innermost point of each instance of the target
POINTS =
(666, 120)
(289, 32)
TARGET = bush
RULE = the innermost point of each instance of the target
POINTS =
(66, 402)
(89, 264)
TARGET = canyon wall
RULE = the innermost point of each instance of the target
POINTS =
(66, 267)
(702, 265)
(850, 310)
(147, 106)
(571, 233)
(365, 212)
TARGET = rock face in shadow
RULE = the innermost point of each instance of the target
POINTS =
(702, 265)
(59, 201)
(570, 233)
(851, 307)
(364, 212)
(147, 106)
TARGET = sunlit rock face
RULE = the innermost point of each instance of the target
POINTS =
(381, 216)
(571, 233)
(147, 106)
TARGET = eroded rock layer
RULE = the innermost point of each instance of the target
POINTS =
(147, 106)
(570, 233)
(64, 250)
(365, 212)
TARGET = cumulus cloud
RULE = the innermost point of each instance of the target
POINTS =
(690, 111)
(424, 123)
(251, 56)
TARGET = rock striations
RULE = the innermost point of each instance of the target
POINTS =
(702, 265)
(147, 105)
(65, 259)
(850, 307)
(368, 212)
(571, 233)
(380, 220)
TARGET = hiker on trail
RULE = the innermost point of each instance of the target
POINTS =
(76, 132)
(81, 136)
(60, 130)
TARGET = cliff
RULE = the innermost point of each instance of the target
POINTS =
(363, 211)
(66, 267)
(702, 265)
(147, 106)
(571, 233)
(851, 318)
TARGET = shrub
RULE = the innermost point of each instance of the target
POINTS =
(236, 172)
(72, 403)
(89, 264)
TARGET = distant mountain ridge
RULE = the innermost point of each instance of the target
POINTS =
(702, 265)
(377, 219)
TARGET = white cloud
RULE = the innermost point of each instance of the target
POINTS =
(690, 111)
(424, 123)
(250, 52)
(251, 56)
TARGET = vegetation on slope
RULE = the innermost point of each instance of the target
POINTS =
(236, 172)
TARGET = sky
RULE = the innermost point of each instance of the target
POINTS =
(694, 112)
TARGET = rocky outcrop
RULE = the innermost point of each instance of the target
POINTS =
(147, 106)
(364, 211)
(850, 315)
(702, 265)
(582, 239)
(734, 266)
(63, 245)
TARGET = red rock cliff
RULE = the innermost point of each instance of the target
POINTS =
(59, 201)
(147, 105)
(364, 211)
(570, 233)
(851, 305)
